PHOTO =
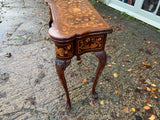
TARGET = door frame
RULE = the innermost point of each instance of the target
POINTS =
(136, 11)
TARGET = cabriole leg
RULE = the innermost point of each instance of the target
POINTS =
(101, 55)
(60, 67)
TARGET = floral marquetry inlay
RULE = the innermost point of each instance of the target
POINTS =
(90, 43)
(75, 16)
(64, 50)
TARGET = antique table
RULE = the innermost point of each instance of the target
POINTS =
(76, 28)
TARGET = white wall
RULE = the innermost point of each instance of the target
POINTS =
(136, 11)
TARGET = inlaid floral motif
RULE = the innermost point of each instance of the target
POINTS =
(90, 43)
(76, 15)
(64, 50)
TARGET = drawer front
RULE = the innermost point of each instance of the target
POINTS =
(91, 43)
(64, 50)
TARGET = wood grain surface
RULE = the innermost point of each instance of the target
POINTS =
(73, 18)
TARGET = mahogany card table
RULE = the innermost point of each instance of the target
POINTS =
(77, 28)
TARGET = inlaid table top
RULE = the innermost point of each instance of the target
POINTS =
(73, 18)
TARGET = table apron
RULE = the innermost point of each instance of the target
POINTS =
(80, 46)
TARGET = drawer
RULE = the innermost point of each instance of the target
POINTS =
(91, 43)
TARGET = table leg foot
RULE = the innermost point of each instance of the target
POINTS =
(95, 95)
(60, 67)
(101, 55)
(67, 106)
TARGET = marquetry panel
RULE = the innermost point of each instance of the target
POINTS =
(93, 43)
(72, 17)
(64, 51)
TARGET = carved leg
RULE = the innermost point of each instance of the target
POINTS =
(101, 55)
(60, 67)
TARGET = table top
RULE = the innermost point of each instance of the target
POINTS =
(72, 18)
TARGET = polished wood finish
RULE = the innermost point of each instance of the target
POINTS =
(101, 55)
(60, 67)
(76, 28)
(74, 18)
